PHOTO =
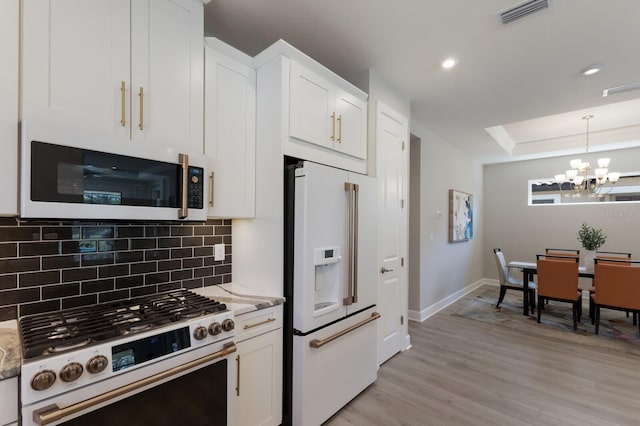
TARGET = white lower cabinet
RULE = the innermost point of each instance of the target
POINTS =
(9, 402)
(259, 368)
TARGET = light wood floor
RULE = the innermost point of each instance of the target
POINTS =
(465, 372)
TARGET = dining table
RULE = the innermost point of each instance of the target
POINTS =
(529, 269)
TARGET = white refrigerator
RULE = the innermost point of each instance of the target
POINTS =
(334, 287)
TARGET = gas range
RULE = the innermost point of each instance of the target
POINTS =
(89, 347)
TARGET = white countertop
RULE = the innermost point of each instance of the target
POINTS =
(10, 353)
(239, 299)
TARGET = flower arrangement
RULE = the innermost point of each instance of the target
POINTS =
(591, 238)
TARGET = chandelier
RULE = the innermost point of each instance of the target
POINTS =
(578, 175)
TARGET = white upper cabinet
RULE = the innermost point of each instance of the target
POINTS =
(9, 72)
(75, 56)
(326, 115)
(230, 139)
(351, 132)
(307, 112)
(132, 69)
(167, 66)
(311, 111)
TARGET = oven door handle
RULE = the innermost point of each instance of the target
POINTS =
(51, 414)
(184, 208)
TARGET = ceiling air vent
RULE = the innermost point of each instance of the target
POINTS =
(523, 10)
(620, 89)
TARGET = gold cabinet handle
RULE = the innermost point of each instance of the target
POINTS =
(267, 321)
(123, 93)
(141, 96)
(238, 376)
(333, 126)
(54, 413)
(339, 128)
(317, 343)
(211, 193)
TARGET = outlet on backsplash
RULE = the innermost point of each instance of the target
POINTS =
(218, 252)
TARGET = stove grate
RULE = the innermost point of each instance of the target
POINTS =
(55, 332)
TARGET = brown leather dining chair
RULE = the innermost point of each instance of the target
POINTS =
(558, 280)
(617, 287)
(613, 255)
(604, 256)
(562, 252)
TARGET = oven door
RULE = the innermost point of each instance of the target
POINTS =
(199, 392)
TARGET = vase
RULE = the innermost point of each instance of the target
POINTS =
(587, 259)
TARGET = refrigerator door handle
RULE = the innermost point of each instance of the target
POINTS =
(350, 214)
(356, 214)
(318, 343)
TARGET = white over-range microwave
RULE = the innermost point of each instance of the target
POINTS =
(73, 174)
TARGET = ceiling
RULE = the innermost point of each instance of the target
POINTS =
(517, 91)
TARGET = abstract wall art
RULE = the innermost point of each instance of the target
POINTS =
(460, 216)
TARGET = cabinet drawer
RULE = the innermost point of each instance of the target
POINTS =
(258, 322)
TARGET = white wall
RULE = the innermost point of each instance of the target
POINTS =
(445, 268)
(522, 231)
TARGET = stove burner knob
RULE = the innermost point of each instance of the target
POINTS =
(71, 372)
(97, 364)
(228, 324)
(43, 380)
(215, 328)
(200, 333)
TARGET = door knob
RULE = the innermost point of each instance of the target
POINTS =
(383, 270)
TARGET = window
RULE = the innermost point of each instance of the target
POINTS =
(546, 191)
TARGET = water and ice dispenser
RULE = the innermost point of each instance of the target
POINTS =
(328, 279)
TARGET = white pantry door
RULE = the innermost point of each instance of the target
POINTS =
(392, 155)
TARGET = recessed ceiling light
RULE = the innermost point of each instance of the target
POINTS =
(449, 63)
(592, 69)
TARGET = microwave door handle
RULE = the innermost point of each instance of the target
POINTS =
(184, 208)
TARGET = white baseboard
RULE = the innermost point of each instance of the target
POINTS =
(438, 306)
(489, 281)
(407, 343)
